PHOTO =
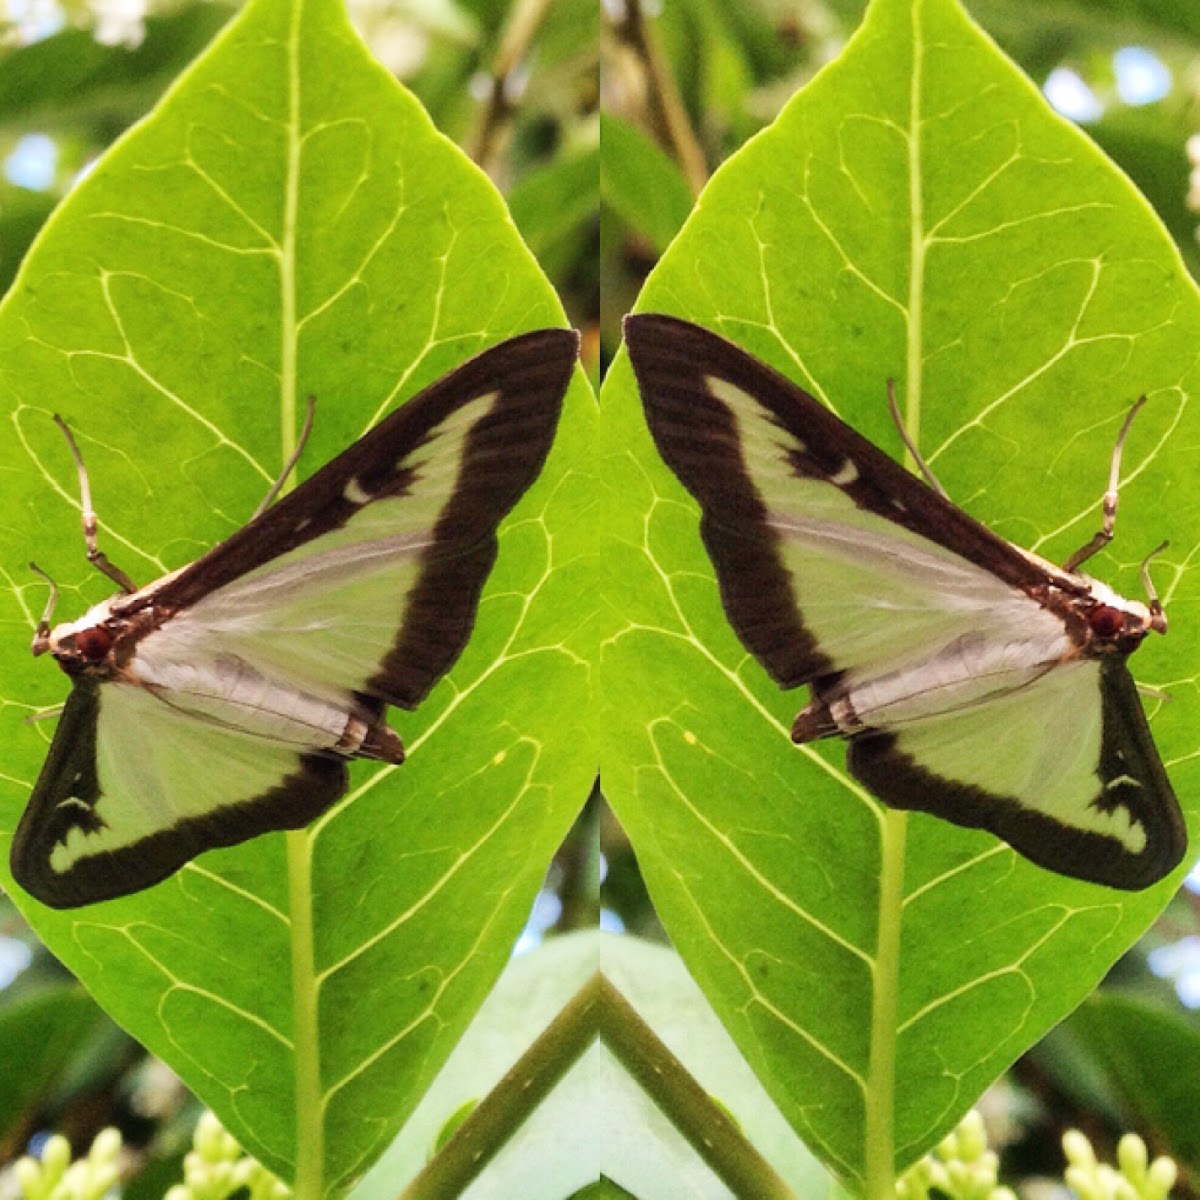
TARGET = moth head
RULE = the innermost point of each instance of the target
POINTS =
(78, 646)
(1119, 625)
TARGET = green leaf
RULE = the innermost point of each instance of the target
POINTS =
(641, 183)
(289, 222)
(1153, 1058)
(916, 213)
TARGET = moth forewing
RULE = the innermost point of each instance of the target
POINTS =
(955, 664)
(225, 700)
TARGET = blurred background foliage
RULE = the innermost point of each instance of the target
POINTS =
(533, 89)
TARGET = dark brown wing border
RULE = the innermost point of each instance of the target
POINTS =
(503, 454)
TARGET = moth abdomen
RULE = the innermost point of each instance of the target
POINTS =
(375, 739)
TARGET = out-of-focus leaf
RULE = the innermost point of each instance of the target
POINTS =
(1153, 1058)
(22, 214)
(39, 1035)
(645, 187)
(552, 204)
(69, 76)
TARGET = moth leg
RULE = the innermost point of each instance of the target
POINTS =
(289, 466)
(926, 470)
(45, 714)
(1105, 534)
(1144, 689)
(41, 635)
(88, 516)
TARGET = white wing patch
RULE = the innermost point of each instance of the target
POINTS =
(876, 596)
(1008, 747)
(157, 771)
(323, 616)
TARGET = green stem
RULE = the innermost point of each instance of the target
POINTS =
(709, 1129)
(599, 1010)
(501, 1113)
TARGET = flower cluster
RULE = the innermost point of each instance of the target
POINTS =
(214, 1169)
(961, 1167)
(1135, 1179)
(56, 1177)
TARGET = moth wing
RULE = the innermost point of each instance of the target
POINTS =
(367, 577)
(839, 568)
(829, 555)
(132, 789)
(1086, 796)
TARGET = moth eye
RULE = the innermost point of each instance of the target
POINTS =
(93, 643)
(1106, 621)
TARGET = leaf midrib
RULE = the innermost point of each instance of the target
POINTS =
(308, 1183)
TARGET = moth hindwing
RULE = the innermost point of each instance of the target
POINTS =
(971, 679)
(225, 700)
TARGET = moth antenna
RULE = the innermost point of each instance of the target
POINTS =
(41, 635)
(1158, 619)
(926, 470)
(290, 465)
(88, 517)
(1105, 534)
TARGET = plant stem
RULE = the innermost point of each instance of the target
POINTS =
(599, 1010)
(708, 1127)
(505, 1108)
(671, 114)
(523, 23)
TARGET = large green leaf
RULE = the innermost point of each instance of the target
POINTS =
(919, 213)
(289, 222)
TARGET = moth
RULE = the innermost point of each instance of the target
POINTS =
(226, 699)
(972, 679)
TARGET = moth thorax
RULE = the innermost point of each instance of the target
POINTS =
(1106, 621)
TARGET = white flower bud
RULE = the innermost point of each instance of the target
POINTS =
(29, 1177)
(1132, 1157)
(1078, 1149)
(1162, 1175)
